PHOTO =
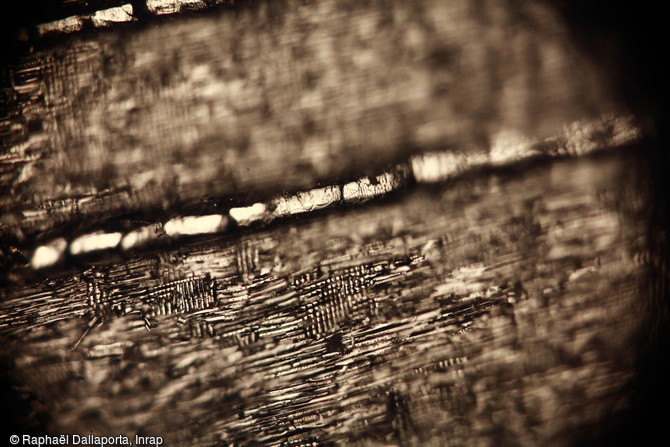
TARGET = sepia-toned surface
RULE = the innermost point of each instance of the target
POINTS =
(418, 235)
(488, 310)
(226, 108)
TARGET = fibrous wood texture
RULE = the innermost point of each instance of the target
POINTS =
(489, 310)
(485, 278)
(276, 97)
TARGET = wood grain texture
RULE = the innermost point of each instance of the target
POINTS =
(516, 303)
(206, 111)
(500, 308)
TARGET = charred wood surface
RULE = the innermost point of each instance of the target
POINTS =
(510, 301)
(499, 308)
(205, 112)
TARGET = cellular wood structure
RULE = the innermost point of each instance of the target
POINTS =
(361, 223)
